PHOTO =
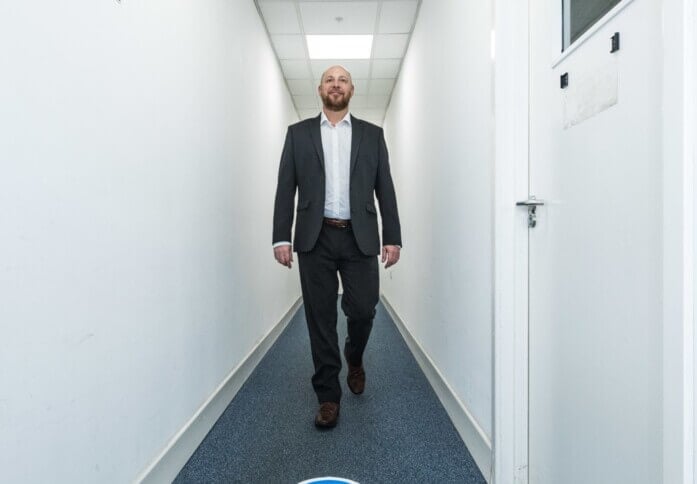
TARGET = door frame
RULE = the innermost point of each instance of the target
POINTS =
(679, 182)
(510, 57)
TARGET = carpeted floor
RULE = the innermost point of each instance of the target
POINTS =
(396, 432)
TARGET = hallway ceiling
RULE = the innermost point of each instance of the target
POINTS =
(389, 21)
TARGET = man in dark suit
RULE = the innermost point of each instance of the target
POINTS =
(339, 165)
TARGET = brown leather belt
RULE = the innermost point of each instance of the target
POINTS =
(337, 222)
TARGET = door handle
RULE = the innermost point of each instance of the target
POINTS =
(531, 203)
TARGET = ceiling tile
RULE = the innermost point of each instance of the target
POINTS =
(308, 113)
(385, 68)
(321, 17)
(360, 86)
(369, 102)
(359, 102)
(295, 69)
(367, 113)
(306, 102)
(289, 46)
(359, 69)
(389, 46)
(280, 17)
(397, 17)
(376, 113)
(378, 101)
(302, 87)
(381, 86)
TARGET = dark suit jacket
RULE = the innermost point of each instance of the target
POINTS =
(302, 167)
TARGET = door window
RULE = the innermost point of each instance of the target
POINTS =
(580, 15)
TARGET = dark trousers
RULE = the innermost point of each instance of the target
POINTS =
(336, 251)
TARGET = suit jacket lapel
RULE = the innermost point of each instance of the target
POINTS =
(356, 133)
(317, 139)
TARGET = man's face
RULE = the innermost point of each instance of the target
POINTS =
(336, 89)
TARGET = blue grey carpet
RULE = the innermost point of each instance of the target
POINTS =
(396, 432)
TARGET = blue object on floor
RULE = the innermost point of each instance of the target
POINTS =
(328, 480)
(396, 432)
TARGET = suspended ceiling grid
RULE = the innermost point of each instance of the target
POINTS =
(391, 23)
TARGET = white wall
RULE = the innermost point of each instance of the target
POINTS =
(439, 129)
(691, 122)
(138, 154)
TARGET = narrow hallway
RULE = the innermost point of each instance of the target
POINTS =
(531, 165)
(397, 431)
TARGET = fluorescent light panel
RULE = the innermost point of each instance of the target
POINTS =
(339, 46)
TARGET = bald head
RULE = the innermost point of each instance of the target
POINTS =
(337, 70)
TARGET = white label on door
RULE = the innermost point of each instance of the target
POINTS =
(590, 91)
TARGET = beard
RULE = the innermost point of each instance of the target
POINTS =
(336, 105)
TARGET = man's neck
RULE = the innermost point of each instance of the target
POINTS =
(335, 116)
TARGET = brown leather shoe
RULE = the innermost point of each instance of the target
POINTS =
(327, 415)
(355, 378)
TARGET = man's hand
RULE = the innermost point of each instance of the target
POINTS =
(284, 255)
(390, 255)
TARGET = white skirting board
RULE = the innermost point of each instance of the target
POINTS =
(175, 455)
(470, 431)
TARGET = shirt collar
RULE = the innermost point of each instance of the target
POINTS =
(323, 119)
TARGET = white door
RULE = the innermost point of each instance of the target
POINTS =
(595, 253)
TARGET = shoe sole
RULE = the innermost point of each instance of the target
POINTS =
(325, 426)
(330, 425)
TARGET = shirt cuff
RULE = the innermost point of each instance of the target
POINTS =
(278, 244)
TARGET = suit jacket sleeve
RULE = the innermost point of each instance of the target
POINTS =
(384, 190)
(285, 193)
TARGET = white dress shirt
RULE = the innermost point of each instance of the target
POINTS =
(336, 145)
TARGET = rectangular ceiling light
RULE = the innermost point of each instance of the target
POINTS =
(339, 46)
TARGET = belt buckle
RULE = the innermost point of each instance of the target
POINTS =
(338, 223)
